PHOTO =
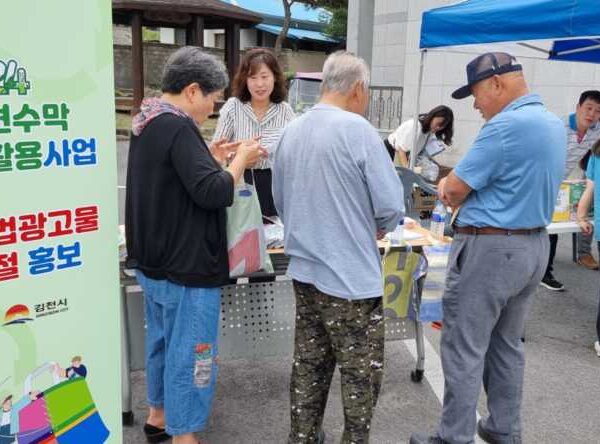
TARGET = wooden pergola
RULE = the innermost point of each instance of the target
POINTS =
(193, 15)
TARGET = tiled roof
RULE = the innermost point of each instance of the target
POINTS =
(198, 7)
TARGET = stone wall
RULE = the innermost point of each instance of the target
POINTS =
(303, 61)
(156, 54)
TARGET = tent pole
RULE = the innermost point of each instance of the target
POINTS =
(575, 51)
(418, 104)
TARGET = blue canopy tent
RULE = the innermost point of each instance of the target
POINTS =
(544, 29)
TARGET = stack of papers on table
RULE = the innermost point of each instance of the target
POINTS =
(412, 235)
(408, 235)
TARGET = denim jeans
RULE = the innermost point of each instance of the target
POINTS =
(182, 325)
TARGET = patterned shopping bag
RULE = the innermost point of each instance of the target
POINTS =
(246, 242)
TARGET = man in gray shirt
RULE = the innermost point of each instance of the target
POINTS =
(336, 190)
(583, 130)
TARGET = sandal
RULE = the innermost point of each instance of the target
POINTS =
(155, 434)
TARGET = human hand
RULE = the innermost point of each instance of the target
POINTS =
(442, 196)
(410, 223)
(586, 226)
(251, 152)
(222, 150)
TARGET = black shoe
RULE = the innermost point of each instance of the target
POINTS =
(423, 438)
(552, 284)
(155, 434)
(491, 439)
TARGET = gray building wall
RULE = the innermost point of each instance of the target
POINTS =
(389, 42)
(395, 62)
(360, 24)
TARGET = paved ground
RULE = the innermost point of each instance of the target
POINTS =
(561, 393)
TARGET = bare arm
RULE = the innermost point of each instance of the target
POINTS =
(401, 158)
(584, 206)
(248, 153)
(452, 190)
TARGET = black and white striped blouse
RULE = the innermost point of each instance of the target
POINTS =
(237, 121)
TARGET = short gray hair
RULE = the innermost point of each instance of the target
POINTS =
(190, 65)
(342, 70)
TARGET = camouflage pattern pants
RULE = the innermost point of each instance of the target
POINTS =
(332, 331)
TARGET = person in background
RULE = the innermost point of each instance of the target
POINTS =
(76, 370)
(583, 129)
(504, 190)
(257, 110)
(593, 179)
(435, 130)
(175, 212)
(6, 437)
(336, 190)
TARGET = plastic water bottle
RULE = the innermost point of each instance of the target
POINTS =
(397, 236)
(438, 220)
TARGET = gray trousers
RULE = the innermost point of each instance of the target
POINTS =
(489, 287)
(584, 243)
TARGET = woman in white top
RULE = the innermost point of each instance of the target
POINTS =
(257, 109)
(435, 131)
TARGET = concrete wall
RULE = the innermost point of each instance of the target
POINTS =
(360, 23)
(389, 42)
(248, 38)
(377, 33)
(559, 83)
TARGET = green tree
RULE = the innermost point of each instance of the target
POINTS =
(337, 22)
(287, 15)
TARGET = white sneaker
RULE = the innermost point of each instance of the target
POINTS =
(597, 348)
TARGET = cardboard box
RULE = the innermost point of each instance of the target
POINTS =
(423, 201)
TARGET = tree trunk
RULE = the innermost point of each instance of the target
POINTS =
(287, 7)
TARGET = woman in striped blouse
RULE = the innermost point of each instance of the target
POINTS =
(257, 109)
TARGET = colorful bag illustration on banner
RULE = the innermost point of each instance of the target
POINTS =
(401, 269)
(246, 243)
(63, 413)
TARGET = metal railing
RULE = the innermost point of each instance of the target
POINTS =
(385, 107)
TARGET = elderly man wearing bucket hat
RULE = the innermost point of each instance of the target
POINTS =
(504, 190)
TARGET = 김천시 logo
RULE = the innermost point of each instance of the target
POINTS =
(13, 78)
(17, 314)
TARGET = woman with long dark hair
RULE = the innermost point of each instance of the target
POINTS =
(257, 109)
(435, 130)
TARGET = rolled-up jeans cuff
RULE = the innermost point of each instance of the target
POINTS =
(156, 405)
